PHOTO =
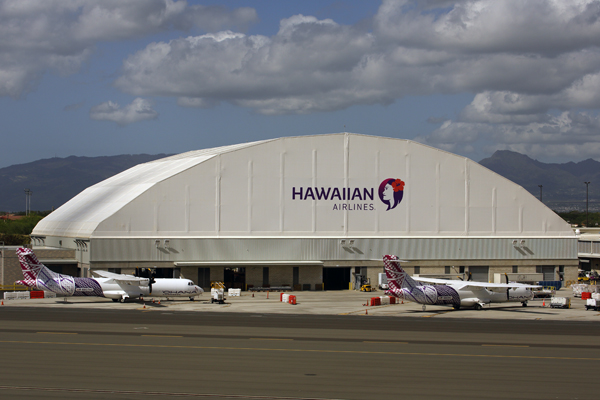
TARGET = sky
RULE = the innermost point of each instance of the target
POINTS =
(110, 77)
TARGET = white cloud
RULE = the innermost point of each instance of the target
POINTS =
(138, 110)
(532, 66)
(314, 65)
(60, 35)
(569, 134)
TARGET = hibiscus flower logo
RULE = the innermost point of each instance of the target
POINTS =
(391, 192)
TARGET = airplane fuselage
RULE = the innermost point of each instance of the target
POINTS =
(104, 287)
(467, 297)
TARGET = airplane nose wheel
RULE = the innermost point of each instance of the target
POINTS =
(477, 306)
(424, 307)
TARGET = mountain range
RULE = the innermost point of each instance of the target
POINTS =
(563, 185)
(54, 181)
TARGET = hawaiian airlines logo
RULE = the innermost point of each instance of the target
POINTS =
(391, 192)
(353, 198)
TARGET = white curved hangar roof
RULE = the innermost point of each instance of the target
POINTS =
(309, 186)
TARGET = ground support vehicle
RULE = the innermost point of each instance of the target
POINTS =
(217, 295)
(560, 302)
(592, 304)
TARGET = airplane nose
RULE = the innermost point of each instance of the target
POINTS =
(200, 289)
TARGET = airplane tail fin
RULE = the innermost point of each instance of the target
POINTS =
(396, 276)
(32, 267)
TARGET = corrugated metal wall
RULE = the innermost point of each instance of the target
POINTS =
(328, 249)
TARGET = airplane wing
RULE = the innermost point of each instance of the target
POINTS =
(462, 284)
(122, 279)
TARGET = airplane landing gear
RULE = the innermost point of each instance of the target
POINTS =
(524, 304)
(477, 306)
(424, 307)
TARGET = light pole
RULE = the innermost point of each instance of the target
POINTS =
(587, 222)
(541, 186)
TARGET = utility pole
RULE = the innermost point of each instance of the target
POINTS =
(541, 186)
(587, 221)
(28, 194)
(2, 276)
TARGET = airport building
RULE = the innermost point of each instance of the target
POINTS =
(312, 213)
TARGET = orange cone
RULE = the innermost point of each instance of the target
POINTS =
(144, 305)
(544, 303)
(366, 312)
(2, 302)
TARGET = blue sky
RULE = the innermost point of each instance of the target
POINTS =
(95, 78)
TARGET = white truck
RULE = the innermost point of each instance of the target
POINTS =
(382, 281)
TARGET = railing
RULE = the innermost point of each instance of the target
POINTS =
(13, 288)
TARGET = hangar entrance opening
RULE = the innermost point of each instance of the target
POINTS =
(234, 278)
(480, 274)
(166, 272)
(65, 269)
(336, 278)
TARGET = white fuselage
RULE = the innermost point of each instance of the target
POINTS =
(161, 288)
(468, 297)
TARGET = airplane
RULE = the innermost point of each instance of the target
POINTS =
(117, 287)
(451, 293)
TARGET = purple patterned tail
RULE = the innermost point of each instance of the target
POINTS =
(31, 267)
(396, 276)
(36, 275)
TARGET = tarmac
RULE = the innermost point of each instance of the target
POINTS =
(326, 303)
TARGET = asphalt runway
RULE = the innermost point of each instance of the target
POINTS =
(131, 354)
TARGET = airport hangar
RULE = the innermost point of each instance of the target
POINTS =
(311, 212)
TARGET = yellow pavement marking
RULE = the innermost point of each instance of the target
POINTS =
(391, 353)
(59, 333)
(163, 335)
(376, 341)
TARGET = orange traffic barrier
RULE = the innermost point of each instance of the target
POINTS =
(374, 301)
